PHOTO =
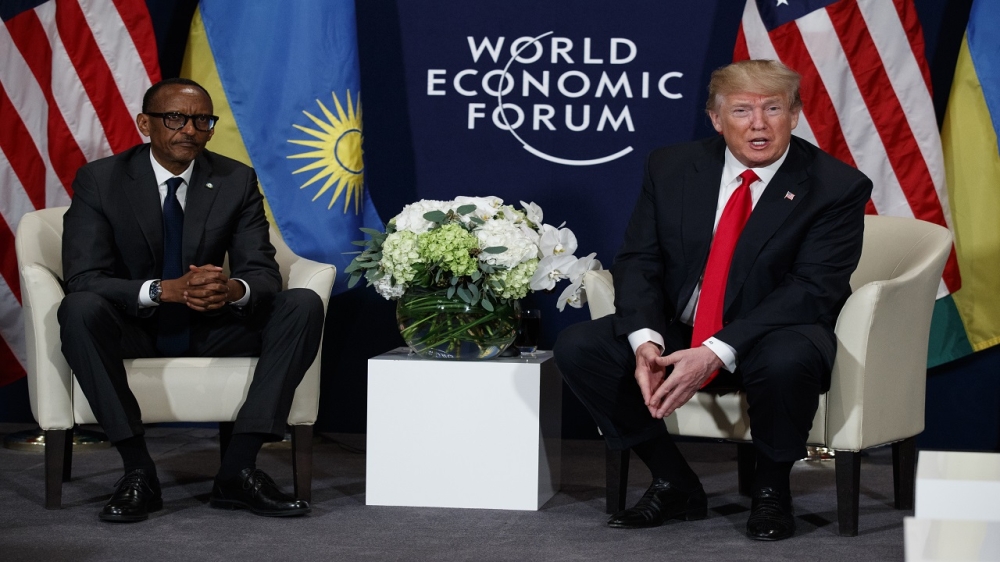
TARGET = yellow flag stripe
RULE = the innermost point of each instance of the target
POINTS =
(199, 65)
(972, 164)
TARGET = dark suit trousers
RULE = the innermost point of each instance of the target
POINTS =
(783, 376)
(284, 332)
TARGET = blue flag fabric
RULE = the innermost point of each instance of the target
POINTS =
(290, 73)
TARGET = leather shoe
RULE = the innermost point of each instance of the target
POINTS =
(661, 502)
(136, 495)
(254, 490)
(771, 516)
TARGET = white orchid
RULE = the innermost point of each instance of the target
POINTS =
(532, 212)
(551, 269)
(556, 241)
(575, 294)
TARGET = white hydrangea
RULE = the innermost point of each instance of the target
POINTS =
(385, 288)
(498, 232)
(486, 207)
(411, 218)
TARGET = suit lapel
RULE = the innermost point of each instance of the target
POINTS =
(140, 188)
(767, 217)
(200, 196)
(700, 201)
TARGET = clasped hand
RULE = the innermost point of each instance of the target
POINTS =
(663, 393)
(202, 288)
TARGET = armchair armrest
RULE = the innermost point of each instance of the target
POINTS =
(319, 277)
(50, 383)
(600, 293)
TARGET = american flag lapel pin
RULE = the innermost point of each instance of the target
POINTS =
(789, 195)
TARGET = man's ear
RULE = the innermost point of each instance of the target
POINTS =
(716, 122)
(142, 121)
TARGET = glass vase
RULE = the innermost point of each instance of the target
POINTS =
(438, 327)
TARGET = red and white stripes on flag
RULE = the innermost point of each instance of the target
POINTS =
(72, 77)
(866, 96)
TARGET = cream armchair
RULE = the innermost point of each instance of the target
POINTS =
(879, 376)
(206, 389)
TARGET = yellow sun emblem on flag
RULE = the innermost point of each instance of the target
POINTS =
(337, 153)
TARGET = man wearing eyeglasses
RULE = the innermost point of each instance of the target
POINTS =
(143, 244)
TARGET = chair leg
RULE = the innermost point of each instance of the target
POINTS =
(904, 463)
(746, 465)
(225, 435)
(302, 460)
(848, 468)
(616, 473)
(67, 466)
(55, 464)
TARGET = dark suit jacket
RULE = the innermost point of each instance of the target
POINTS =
(792, 264)
(113, 230)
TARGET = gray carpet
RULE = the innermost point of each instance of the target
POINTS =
(341, 527)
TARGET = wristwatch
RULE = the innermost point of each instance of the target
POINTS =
(155, 291)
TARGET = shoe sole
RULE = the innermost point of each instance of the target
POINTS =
(233, 504)
(153, 506)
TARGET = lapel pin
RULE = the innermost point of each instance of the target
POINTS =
(789, 195)
(209, 185)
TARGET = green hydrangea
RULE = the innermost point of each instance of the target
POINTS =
(516, 280)
(449, 246)
(399, 255)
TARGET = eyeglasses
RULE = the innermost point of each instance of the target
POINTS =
(176, 121)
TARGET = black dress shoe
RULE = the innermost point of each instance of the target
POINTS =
(136, 495)
(254, 490)
(661, 502)
(771, 516)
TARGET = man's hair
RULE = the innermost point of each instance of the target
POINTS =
(766, 77)
(147, 99)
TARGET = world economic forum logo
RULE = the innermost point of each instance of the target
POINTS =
(544, 96)
(335, 153)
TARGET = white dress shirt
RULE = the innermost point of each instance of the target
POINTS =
(730, 181)
(162, 175)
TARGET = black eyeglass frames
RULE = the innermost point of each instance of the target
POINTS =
(176, 121)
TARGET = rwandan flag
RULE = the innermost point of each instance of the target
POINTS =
(285, 83)
(972, 162)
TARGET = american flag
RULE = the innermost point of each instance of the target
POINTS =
(866, 95)
(72, 76)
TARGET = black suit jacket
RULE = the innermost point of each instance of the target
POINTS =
(113, 230)
(792, 264)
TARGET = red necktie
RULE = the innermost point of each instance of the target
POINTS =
(708, 317)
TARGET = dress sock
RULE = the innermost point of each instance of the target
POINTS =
(771, 474)
(135, 455)
(242, 453)
(665, 461)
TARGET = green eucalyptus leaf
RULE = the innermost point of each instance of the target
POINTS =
(464, 294)
(451, 292)
(353, 280)
(495, 249)
(435, 216)
(477, 220)
(487, 304)
(371, 231)
(465, 209)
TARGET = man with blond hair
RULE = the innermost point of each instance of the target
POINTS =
(735, 265)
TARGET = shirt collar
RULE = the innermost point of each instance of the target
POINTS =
(733, 168)
(163, 174)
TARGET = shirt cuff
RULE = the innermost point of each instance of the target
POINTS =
(144, 300)
(246, 296)
(724, 351)
(639, 337)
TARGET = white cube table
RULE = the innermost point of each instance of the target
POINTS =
(957, 485)
(478, 434)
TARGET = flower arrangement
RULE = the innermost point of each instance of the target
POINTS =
(470, 260)
(477, 248)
